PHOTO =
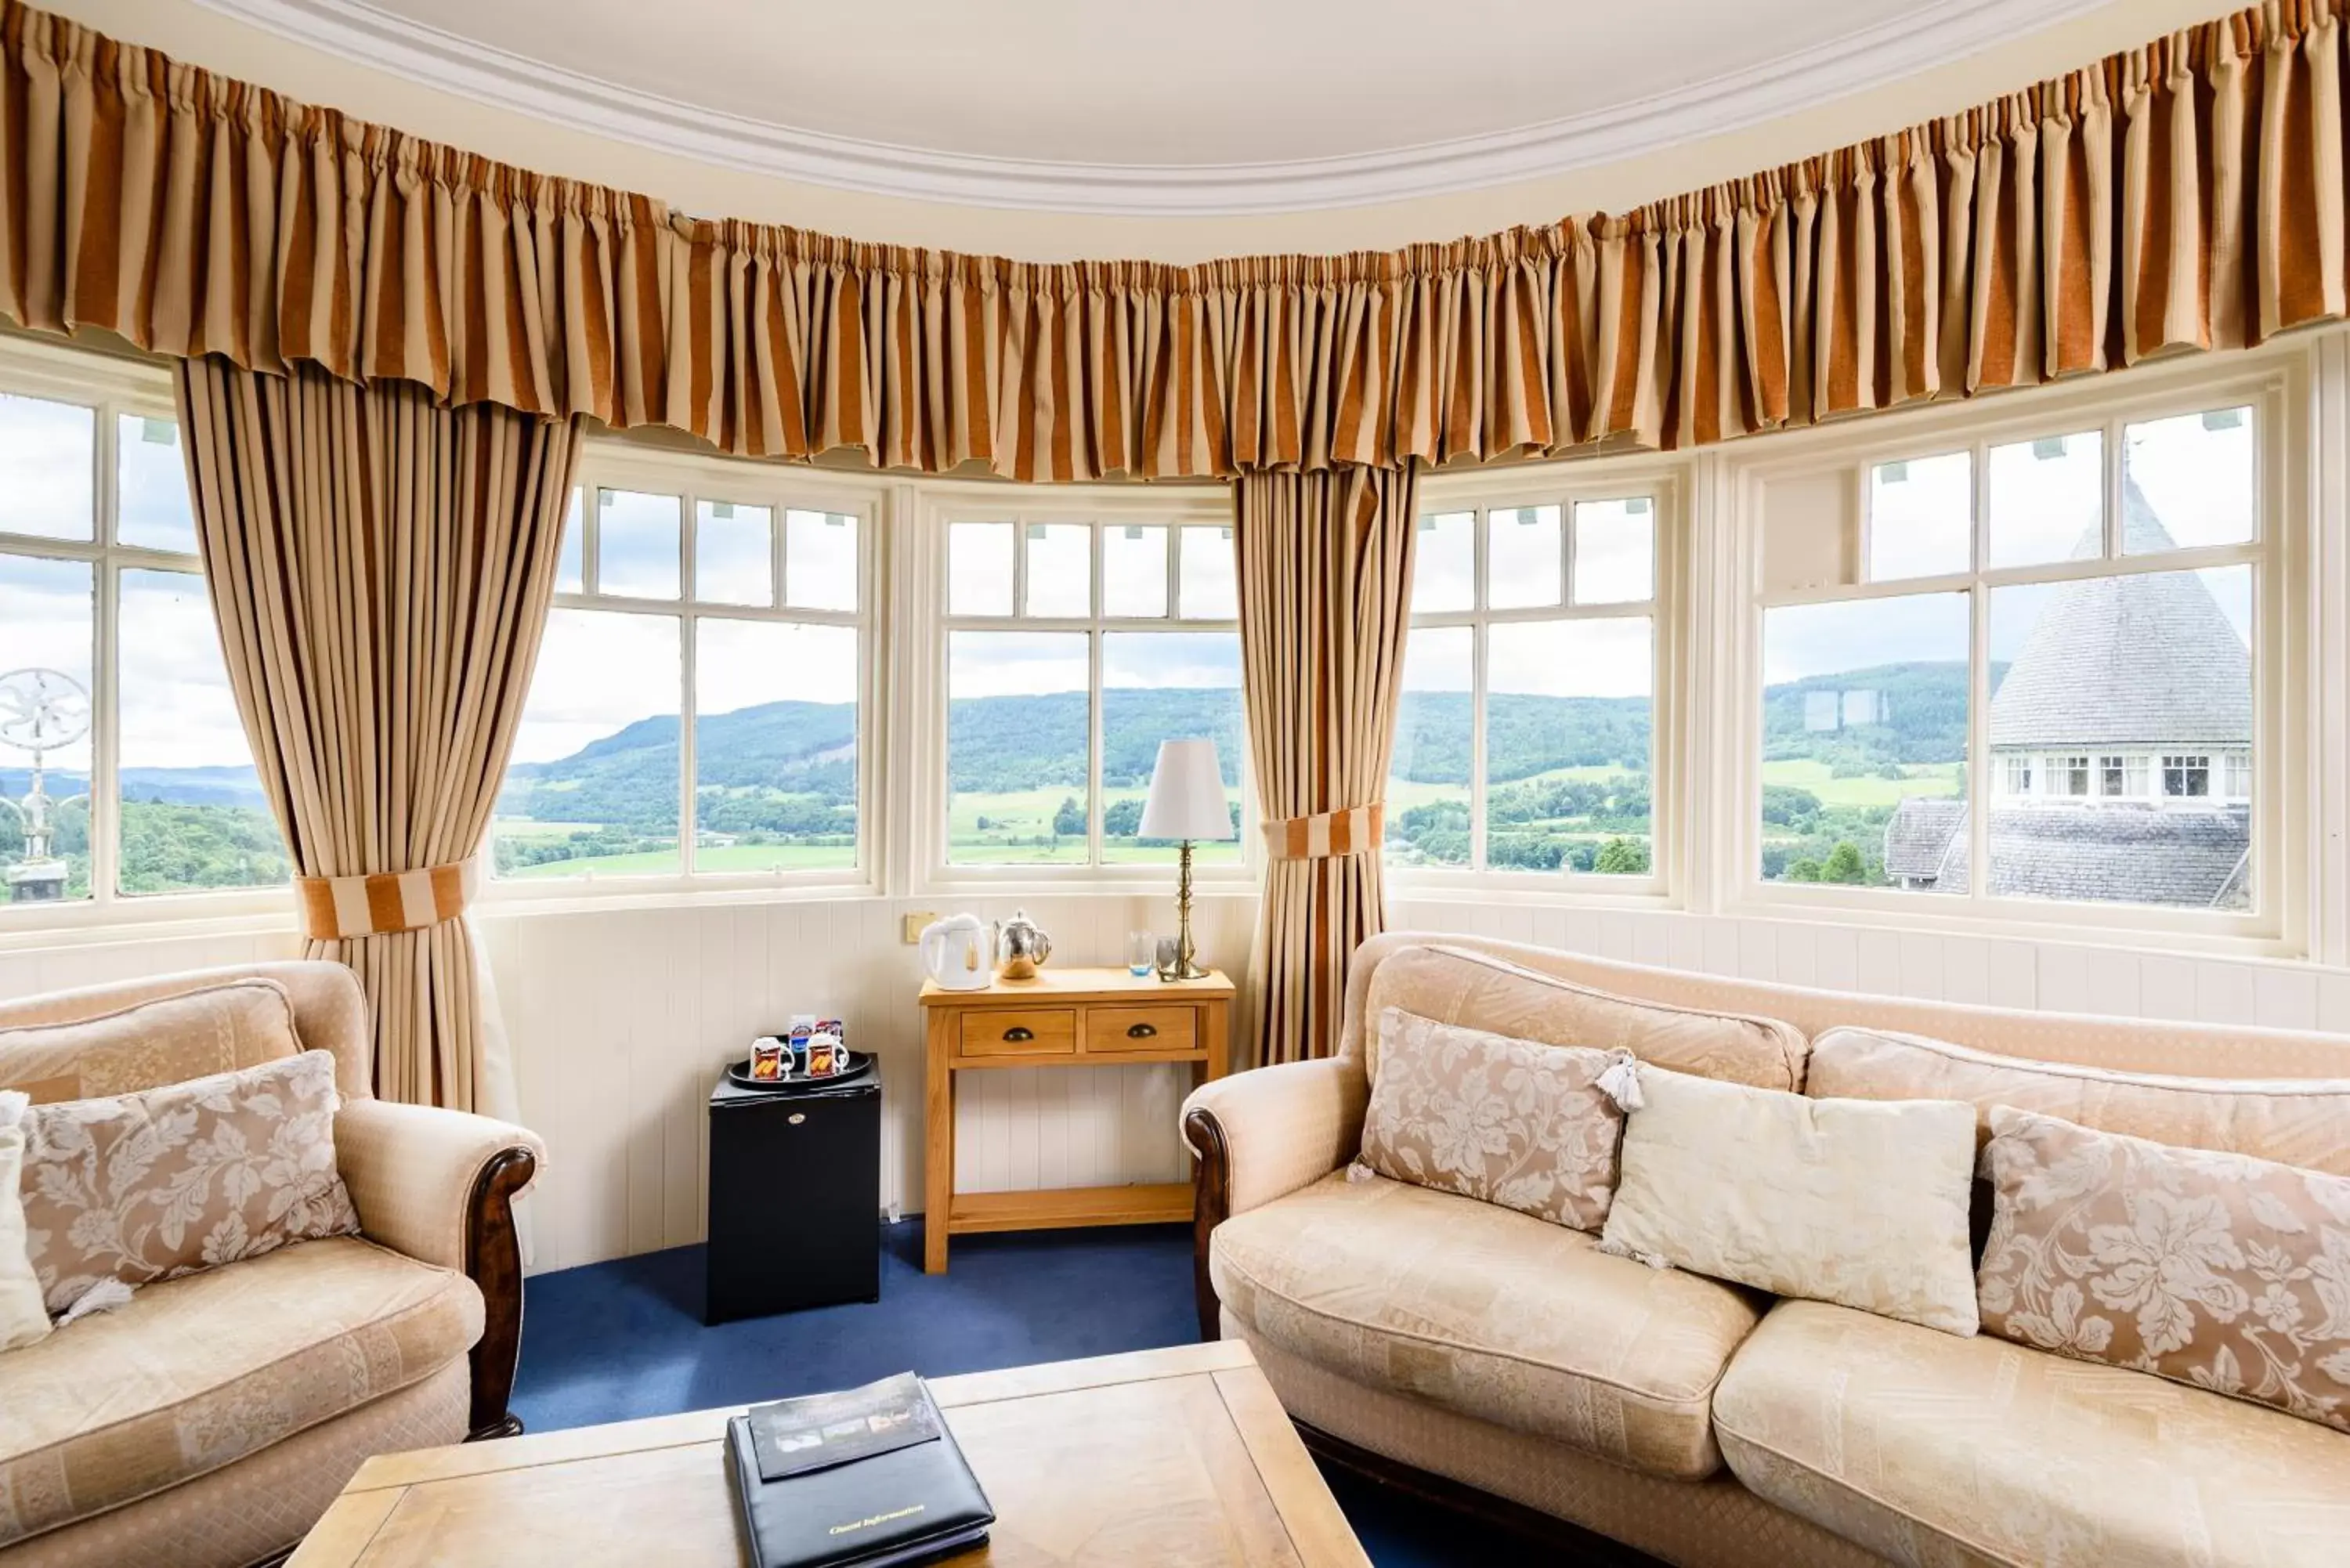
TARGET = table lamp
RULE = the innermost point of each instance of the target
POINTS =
(1187, 803)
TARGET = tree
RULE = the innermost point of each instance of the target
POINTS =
(1069, 820)
(1623, 857)
(1845, 865)
(1805, 870)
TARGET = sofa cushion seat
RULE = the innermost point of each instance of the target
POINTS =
(1489, 1312)
(198, 1371)
(1935, 1451)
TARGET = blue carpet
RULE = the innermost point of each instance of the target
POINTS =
(614, 1340)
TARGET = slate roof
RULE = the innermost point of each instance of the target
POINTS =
(1919, 834)
(2104, 851)
(2148, 661)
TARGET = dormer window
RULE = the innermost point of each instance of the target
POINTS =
(2187, 776)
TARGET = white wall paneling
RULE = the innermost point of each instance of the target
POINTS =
(621, 1019)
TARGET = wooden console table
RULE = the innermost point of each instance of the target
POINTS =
(1062, 1018)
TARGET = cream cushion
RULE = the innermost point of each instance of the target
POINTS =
(1489, 1312)
(2293, 1122)
(24, 1317)
(1935, 1452)
(1460, 985)
(214, 1029)
(1857, 1201)
(202, 1371)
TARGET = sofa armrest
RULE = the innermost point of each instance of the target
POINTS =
(439, 1185)
(1259, 1134)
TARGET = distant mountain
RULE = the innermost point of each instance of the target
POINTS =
(808, 750)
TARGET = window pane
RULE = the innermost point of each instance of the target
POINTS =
(1567, 743)
(1865, 742)
(1444, 565)
(1209, 587)
(1060, 569)
(775, 746)
(820, 560)
(1019, 718)
(47, 451)
(1523, 560)
(1428, 778)
(193, 812)
(152, 511)
(570, 569)
(1134, 570)
(1920, 517)
(593, 790)
(2048, 500)
(637, 545)
(2188, 482)
(2116, 702)
(1164, 686)
(734, 554)
(979, 569)
(1615, 551)
(46, 631)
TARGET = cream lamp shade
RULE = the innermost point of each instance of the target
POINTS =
(1187, 795)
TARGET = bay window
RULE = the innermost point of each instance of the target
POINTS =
(697, 709)
(125, 774)
(1527, 739)
(1079, 632)
(2080, 607)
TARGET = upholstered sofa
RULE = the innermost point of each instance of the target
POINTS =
(1503, 1364)
(208, 1423)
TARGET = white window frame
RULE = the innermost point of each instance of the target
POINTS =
(924, 586)
(111, 386)
(2275, 382)
(615, 463)
(1562, 484)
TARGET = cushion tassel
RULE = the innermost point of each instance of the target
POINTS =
(104, 1296)
(1621, 1082)
(1619, 1250)
(1358, 1171)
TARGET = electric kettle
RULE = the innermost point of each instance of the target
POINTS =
(958, 953)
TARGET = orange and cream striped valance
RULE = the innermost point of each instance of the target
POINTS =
(334, 907)
(2187, 194)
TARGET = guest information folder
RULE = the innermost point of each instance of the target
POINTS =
(870, 1477)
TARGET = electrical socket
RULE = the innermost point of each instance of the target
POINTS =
(916, 923)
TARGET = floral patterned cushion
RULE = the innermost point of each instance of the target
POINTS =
(1507, 1121)
(155, 1185)
(2222, 1271)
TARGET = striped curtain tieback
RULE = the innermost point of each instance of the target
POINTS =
(385, 901)
(1354, 831)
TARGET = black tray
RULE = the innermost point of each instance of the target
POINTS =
(739, 1072)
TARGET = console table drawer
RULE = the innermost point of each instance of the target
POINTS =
(1025, 1032)
(1113, 1029)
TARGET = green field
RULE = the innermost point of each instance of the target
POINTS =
(1918, 779)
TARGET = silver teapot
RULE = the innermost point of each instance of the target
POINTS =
(1020, 945)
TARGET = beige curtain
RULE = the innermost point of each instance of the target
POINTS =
(380, 568)
(1325, 591)
(2185, 194)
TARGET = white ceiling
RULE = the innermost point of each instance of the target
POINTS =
(1108, 105)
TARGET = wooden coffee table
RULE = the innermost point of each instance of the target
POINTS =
(1160, 1456)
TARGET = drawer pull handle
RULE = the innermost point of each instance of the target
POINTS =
(1140, 1030)
(1018, 1032)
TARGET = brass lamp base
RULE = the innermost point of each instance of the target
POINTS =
(1186, 965)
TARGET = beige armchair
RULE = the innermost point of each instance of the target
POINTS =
(209, 1423)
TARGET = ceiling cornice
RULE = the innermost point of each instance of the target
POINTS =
(360, 33)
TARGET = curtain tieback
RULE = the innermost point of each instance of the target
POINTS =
(1354, 831)
(384, 901)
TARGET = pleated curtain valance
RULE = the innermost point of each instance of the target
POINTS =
(2187, 194)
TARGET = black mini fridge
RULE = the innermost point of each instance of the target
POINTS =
(794, 1196)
